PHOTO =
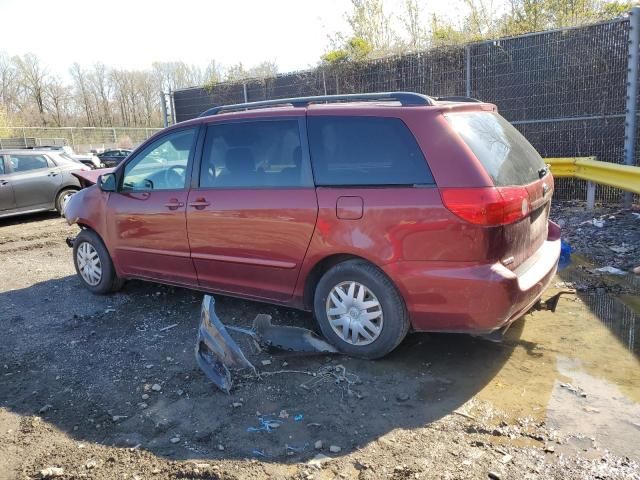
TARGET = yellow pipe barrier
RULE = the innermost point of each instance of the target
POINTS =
(625, 177)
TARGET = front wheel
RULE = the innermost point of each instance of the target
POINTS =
(62, 199)
(93, 264)
(359, 310)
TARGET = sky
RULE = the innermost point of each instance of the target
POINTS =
(134, 33)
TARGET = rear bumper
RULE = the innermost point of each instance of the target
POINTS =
(475, 298)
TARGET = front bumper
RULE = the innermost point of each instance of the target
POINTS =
(479, 298)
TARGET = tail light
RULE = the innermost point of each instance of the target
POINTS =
(488, 205)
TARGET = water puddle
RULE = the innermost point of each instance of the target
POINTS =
(577, 369)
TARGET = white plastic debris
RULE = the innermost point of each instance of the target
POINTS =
(610, 270)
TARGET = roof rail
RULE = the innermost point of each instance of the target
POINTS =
(405, 99)
(456, 98)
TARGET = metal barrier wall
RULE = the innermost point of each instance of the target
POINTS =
(565, 90)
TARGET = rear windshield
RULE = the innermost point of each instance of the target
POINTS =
(506, 155)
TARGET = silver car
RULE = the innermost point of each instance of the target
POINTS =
(36, 180)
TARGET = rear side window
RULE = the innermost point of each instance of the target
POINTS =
(259, 154)
(24, 163)
(365, 151)
(1, 165)
(501, 149)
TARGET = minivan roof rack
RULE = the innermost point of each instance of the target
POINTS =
(405, 99)
(458, 98)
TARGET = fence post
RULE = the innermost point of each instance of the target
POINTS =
(244, 89)
(163, 106)
(115, 137)
(591, 195)
(630, 124)
(324, 82)
(73, 143)
(467, 54)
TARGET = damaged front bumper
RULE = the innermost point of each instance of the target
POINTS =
(217, 353)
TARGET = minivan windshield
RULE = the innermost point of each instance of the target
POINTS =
(503, 151)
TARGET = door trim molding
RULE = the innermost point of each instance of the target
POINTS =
(244, 260)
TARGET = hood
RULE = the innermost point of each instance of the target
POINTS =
(90, 177)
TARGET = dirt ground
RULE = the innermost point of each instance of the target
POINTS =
(98, 387)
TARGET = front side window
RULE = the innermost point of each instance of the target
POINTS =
(258, 154)
(25, 163)
(1, 165)
(366, 151)
(162, 165)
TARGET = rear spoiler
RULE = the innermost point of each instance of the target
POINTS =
(90, 177)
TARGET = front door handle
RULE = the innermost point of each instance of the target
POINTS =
(174, 204)
(52, 174)
(199, 204)
(3, 182)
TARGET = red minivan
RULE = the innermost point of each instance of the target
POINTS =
(380, 213)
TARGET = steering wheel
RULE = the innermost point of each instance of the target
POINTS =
(174, 176)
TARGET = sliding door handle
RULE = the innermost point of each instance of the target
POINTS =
(199, 204)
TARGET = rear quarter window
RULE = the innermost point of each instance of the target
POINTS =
(506, 155)
(365, 151)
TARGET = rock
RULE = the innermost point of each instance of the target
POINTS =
(45, 409)
(335, 449)
(156, 387)
(402, 397)
(180, 392)
(90, 464)
(318, 445)
(493, 476)
(51, 472)
(175, 439)
(115, 418)
(506, 458)
(266, 362)
(236, 404)
(142, 405)
(145, 396)
(150, 365)
(221, 447)
(549, 449)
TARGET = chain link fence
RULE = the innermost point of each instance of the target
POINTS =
(565, 90)
(82, 139)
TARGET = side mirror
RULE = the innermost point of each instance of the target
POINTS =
(107, 182)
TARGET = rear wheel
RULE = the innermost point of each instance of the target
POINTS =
(93, 264)
(359, 310)
(62, 199)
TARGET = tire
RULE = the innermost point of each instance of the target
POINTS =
(387, 324)
(62, 197)
(100, 276)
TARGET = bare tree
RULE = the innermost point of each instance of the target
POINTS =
(33, 77)
(414, 24)
(57, 96)
(370, 22)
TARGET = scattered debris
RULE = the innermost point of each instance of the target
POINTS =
(175, 439)
(298, 417)
(266, 362)
(266, 425)
(45, 409)
(283, 414)
(318, 445)
(169, 327)
(156, 387)
(318, 460)
(236, 404)
(335, 449)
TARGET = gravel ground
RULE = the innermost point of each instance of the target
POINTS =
(97, 387)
